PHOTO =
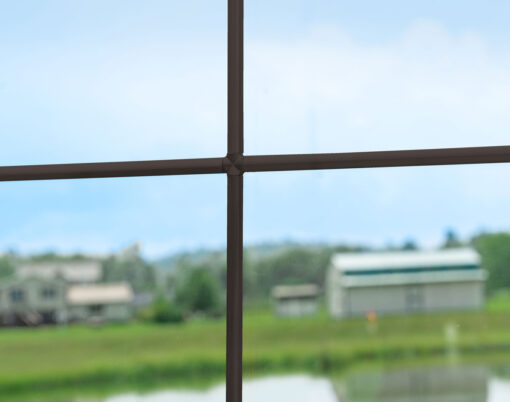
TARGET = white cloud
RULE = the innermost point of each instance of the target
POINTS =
(322, 92)
(157, 100)
(429, 88)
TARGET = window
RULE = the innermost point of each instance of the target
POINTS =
(17, 295)
(96, 308)
(234, 165)
(48, 293)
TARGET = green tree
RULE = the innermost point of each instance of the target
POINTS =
(410, 244)
(6, 267)
(163, 311)
(494, 250)
(140, 274)
(264, 267)
(451, 240)
(296, 265)
(199, 292)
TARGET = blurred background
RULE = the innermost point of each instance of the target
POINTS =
(360, 285)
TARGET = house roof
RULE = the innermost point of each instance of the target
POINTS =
(105, 293)
(70, 271)
(287, 292)
(412, 261)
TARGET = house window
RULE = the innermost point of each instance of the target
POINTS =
(96, 308)
(48, 293)
(17, 295)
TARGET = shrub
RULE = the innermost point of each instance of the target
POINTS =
(162, 312)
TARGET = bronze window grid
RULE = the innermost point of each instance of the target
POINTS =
(234, 165)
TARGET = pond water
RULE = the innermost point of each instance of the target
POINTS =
(292, 388)
(470, 383)
(476, 383)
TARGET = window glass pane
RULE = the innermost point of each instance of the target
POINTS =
(337, 76)
(119, 80)
(378, 285)
(103, 286)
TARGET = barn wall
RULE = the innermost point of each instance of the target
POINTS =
(388, 299)
(455, 296)
(406, 298)
(334, 293)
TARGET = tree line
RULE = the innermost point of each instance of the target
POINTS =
(194, 283)
(298, 264)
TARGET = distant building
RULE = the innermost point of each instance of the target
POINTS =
(404, 282)
(35, 301)
(100, 302)
(69, 271)
(294, 301)
(69, 290)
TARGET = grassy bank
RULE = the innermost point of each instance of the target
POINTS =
(48, 358)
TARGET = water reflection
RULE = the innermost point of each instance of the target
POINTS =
(470, 383)
(438, 384)
(475, 383)
(296, 388)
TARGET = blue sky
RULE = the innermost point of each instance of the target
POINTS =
(119, 80)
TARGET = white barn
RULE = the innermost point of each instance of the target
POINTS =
(404, 282)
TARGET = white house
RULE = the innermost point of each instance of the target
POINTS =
(36, 301)
(100, 302)
(293, 301)
(404, 282)
(32, 301)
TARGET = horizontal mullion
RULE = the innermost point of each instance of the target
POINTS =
(259, 163)
(112, 169)
(356, 160)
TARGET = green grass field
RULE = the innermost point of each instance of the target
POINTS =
(134, 353)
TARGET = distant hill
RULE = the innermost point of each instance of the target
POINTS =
(256, 251)
(259, 250)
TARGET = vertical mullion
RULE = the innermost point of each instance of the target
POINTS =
(235, 77)
(234, 289)
(234, 374)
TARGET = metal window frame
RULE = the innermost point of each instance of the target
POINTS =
(234, 165)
